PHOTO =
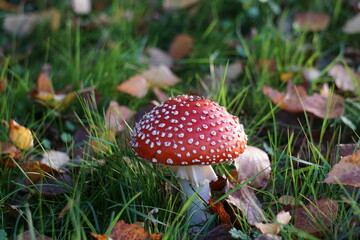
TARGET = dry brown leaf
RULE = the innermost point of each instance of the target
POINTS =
(316, 216)
(245, 199)
(161, 95)
(116, 116)
(290, 100)
(282, 218)
(181, 46)
(346, 172)
(170, 5)
(287, 200)
(345, 78)
(136, 86)
(160, 76)
(35, 170)
(55, 159)
(220, 232)
(7, 6)
(352, 26)
(330, 106)
(43, 82)
(157, 57)
(9, 153)
(124, 231)
(219, 209)
(20, 136)
(2, 84)
(252, 161)
(311, 21)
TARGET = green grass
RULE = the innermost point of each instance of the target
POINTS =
(129, 188)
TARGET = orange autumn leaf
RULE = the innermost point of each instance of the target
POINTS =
(43, 82)
(136, 86)
(20, 136)
(346, 172)
(290, 100)
(286, 76)
(219, 209)
(35, 170)
(126, 231)
(9, 153)
(181, 46)
(316, 217)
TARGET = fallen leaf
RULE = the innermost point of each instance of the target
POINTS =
(55, 159)
(316, 216)
(346, 172)
(311, 21)
(81, 6)
(170, 5)
(219, 209)
(219, 184)
(7, 6)
(266, 64)
(286, 76)
(233, 71)
(282, 218)
(160, 95)
(244, 199)
(43, 82)
(251, 162)
(35, 170)
(124, 231)
(9, 153)
(20, 24)
(352, 26)
(181, 46)
(330, 106)
(287, 200)
(157, 57)
(290, 100)
(2, 84)
(160, 76)
(20, 136)
(136, 86)
(345, 78)
(116, 116)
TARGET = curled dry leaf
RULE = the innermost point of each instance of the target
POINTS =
(55, 159)
(181, 46)
(35, 170)
(346, 172)
(316, 216)
(219, 209)
(20, 136)
(245, 199)
(116, 116)
(345, 78)
(157, 57)
(290, 100)
(282, 218)
(170, 5)
(251, 162)
(126, 231)
(160, 76)
(8, 152)
(136, 86)
(352, 26)
(311, 21)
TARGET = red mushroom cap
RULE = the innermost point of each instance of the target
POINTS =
(188, 130)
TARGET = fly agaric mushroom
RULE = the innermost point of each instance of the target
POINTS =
(190, 134)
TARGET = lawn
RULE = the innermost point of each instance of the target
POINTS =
(74, 82)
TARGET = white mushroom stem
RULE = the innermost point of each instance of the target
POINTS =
(195, 180)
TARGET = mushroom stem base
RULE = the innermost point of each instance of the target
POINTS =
(197, 211)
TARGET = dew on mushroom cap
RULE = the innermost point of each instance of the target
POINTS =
(188, 130)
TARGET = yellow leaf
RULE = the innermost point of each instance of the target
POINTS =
(20, 136)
